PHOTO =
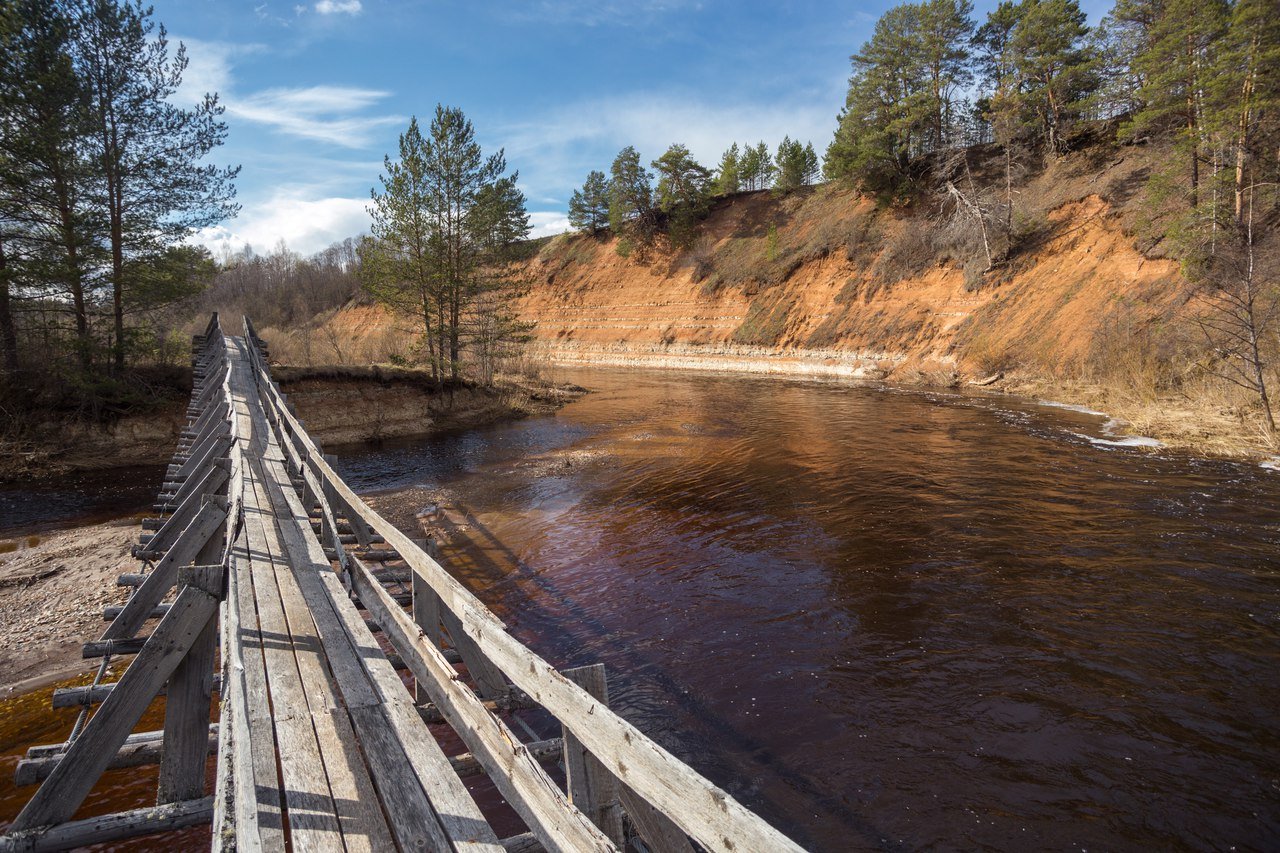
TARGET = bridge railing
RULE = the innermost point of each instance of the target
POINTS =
(664, 797)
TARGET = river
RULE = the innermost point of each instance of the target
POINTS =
(888, 619)
(891, 619)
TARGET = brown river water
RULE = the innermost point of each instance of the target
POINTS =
(883, 619)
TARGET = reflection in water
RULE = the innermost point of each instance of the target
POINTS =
(886, 619)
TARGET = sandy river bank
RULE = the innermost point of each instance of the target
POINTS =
(51, 599)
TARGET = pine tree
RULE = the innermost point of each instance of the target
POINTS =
(398, 267)
(791, 165)
(749, 168)
(943, 36)
(443, 225)
(728, 175)
(812, 169)
(46, 225)
(879, 129)
(589, 207)
(1178, 67)
(766, 170)
(632, 215)
(682, 181)
(156, 188)
(1054, 66)
(1247, 96)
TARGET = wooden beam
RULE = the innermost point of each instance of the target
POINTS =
(137, 754)
(163, 577)
(112, 827)
(516, 774)
(73, 778)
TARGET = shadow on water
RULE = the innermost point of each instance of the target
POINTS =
(888, 618)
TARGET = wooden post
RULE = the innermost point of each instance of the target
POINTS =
(189, 697)
(592, 788)
(426, 615)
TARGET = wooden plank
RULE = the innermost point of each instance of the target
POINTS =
(368, 681)
(592, 788)
(136, 754)
(488, 678)
(112, 827)
(186, 721)
(176, 523)
(356, 804)
(161, 579)
(68, 785)
(516, 774)
(701, 809)
(312, 814)
(258, 799)
(45, 750)
(426, 615)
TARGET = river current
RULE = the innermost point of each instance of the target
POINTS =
(889, 619)
(881, 619)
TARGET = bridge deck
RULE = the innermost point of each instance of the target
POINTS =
(334, 736)
(320, 745)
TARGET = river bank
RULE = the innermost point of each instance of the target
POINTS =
(52, 591)
(340, 405)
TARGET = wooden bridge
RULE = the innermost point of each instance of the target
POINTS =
(269, 584)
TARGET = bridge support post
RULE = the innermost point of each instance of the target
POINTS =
(592, 788)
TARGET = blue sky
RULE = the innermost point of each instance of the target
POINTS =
(317, 92)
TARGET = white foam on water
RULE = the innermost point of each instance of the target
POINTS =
(1272, 464)
(1128, 441)
(1071, 407)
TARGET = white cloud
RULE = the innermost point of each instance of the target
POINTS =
(548, 222)
(339, 7)
(316, 112)
(306, 225)
(209, 66)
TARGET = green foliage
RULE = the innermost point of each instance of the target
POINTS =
(684, 193)
(1054, 66)
(797, 165)
(756, 170)
(102, 175)
(728, 179)
(632, 214)
(445, 226)
(589, 206)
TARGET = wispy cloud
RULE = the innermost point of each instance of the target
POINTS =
(321, 113)
(338, 7)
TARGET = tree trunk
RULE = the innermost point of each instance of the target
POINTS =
(8, 336)
(1242, 132)
(75, 279)
(117, 284)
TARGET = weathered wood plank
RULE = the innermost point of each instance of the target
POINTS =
(71, 781)
(112, 827)
(513, 770)
(368, 682)
(136, 754)
(162, 578)
(312, 814)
